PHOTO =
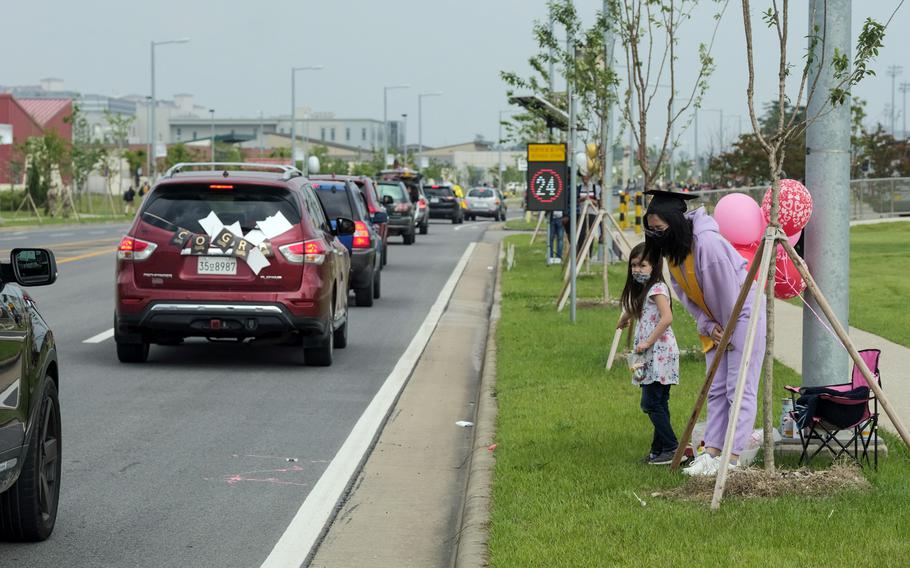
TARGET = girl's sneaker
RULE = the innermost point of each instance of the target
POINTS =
(706, 465)
(663, 458)
(648, 458)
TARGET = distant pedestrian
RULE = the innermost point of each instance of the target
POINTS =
(128, 197)
(143, 189)
(556, 233)
(646, 297)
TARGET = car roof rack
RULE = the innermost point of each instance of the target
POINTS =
(287, 171)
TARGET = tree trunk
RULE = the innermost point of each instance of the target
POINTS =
(768, 391)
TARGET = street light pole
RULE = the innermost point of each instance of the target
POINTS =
(212, 139)
(404, 128)
(294, 71)
(904, 87)
(385, 118)
(148, 156)
(152, 141)
(420, 121)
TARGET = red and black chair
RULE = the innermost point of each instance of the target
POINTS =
(821, 413)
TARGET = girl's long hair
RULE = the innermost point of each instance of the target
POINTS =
(634, 294)
(677, 245)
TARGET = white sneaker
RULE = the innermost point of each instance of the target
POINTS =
(706, 465)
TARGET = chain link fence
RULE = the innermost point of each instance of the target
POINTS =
(869, 198)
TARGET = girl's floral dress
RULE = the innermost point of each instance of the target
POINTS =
(662, 359)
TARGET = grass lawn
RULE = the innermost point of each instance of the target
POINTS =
(879, 286)
(519, 224)
(98, 211)
(569, 434)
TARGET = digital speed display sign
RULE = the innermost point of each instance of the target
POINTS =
(547, 177)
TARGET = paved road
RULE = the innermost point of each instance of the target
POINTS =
(202, 456)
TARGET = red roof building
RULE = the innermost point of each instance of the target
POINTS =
(28, 118)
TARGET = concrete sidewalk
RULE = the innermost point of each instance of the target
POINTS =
(405, 508)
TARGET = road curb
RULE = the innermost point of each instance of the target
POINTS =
(475, 519)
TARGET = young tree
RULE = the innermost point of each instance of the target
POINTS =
(649, 30)
(118, 133)
(85, 153)
(775, 137)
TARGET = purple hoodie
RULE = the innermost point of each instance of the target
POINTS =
(720, 272)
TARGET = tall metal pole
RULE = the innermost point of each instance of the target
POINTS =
(385, 118)
(904, 87)
(260, 135)
(552, 68)
(152, 134)
(148, 157)
(827, 236)
(672, 140)
(697, 159)
(606, 189)
(893, 72)
(499, 145)
(404, 129)
(153, 143)
(294, 71)
(212, 139)
(573, 191)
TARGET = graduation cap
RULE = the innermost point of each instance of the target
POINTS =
(668, 201)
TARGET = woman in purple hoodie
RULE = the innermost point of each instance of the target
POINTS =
(707, 274)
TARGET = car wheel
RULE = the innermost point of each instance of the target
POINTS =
(377, 283)
(28, 509)
(322, 354)
(424, 229)
(364, 296)
(385, 253)
(132, 352)
(341, 335)
(408, 238)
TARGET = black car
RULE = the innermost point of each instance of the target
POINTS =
(444, 204)
(402, 212)
(29, 407)
(342, 198)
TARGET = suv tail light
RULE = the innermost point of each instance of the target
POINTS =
(134, 249)
(422, 203)
(361, 235)
(307, 252)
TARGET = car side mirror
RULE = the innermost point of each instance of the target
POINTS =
(344, 227)
(387, 200)
(33, 266)
(380, 217)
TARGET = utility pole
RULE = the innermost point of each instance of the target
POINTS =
(404, 138)
(893, 72)
(148, 157)
(573, 192)
(552, 71)
(385, 118)
(606, 189)
(904, 87)
(697, 159)
(827, 236)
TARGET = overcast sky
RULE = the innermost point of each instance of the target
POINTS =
(239, 58)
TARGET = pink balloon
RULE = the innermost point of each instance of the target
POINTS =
(794, 238)
(739, 218)
(795, 206)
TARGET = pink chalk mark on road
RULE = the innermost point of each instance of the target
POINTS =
(255, 476)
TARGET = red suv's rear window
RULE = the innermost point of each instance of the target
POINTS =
(183, 205)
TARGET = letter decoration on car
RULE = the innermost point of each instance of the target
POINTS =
(254, 248)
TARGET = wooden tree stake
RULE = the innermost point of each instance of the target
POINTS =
(768, 253)
(537, 228)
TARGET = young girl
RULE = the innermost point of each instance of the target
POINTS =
(646, 297)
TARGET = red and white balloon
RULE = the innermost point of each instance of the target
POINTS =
(795, 206)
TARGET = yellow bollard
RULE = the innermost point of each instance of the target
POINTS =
(623, 210)
(639, 199)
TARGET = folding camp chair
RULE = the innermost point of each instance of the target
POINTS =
(839, 408)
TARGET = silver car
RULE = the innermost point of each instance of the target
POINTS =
(485, 202)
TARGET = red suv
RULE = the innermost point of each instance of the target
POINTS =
(232, 254)
(368, 188)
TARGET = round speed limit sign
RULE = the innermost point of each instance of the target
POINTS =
(546, 185)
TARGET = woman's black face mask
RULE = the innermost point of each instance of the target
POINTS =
(658, 236)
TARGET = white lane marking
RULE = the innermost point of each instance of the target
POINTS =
(294, 546)
(103, 336)
(60, 234)
(14, 238)
(97, 232)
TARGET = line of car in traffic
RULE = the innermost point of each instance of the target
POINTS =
(222, 251)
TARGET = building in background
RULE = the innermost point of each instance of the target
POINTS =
(21, 119)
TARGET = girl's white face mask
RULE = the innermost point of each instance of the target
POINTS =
(641, 277)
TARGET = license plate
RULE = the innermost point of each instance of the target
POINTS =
(216, 265)
(434, 200)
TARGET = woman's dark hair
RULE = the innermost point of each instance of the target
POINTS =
(676, 244)
(634, 294)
